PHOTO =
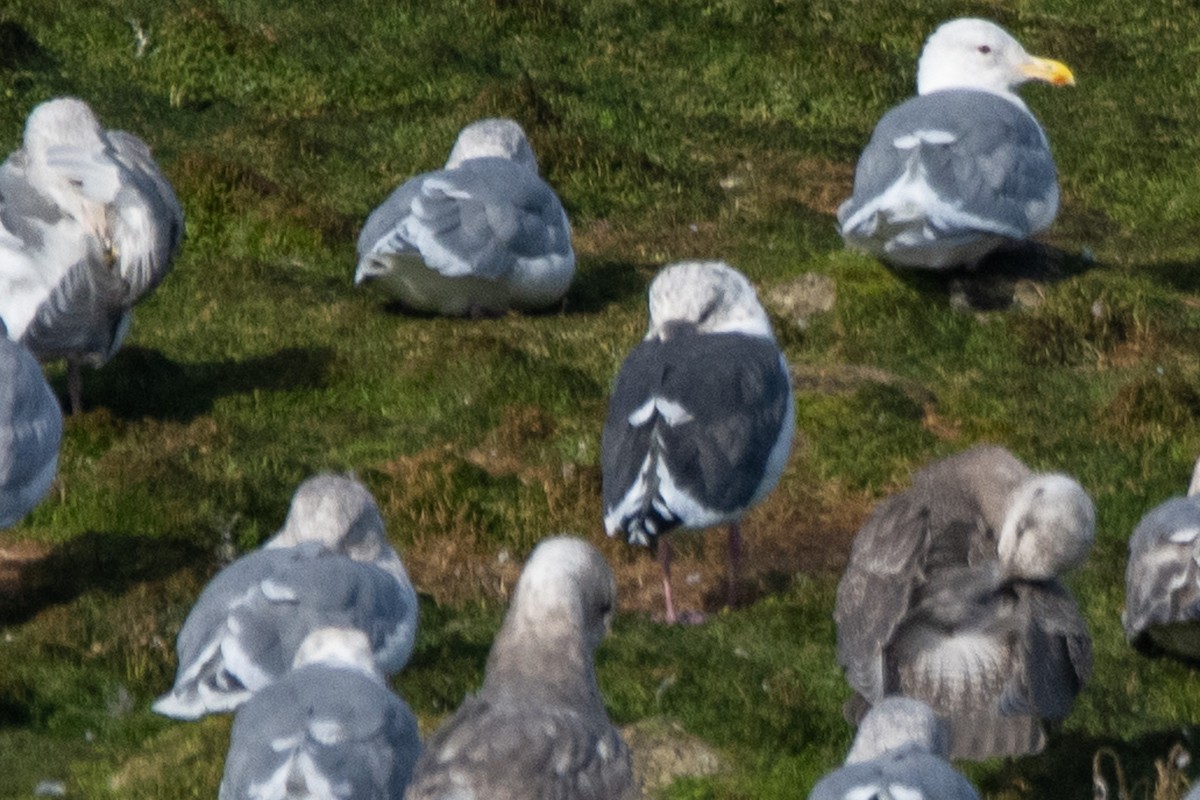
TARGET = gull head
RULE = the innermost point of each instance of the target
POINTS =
(899, 722)
(710, 296)
(62, 121)
(339, 647)
(337, 512)
(493, 138)
(1049, 528)
(977, 54)
(566, 584)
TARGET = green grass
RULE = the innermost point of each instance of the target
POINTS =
(671, 129)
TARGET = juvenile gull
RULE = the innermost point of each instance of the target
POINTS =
(329, 728)
(537, 729)
(963, 167)
(88, 227)
(952, 596)
(899, 752)
(1162, 578)
(701, 419)
(479, 236)
(330, 565)
(30, 432)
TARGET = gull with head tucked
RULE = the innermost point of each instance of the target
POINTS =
(329, 728)
(537, 728)
(88, 227)
(899, 753)
(1162, 578)
(330, 565)
(701, 419)
(962, 168)
(952, 596)
(479, 236)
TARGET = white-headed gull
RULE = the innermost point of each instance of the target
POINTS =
(963, 167)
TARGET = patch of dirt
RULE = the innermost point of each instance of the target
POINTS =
(805, 527)
(664, 751)
(18, 560)
(782, 178)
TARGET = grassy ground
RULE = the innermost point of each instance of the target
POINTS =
(672, 129)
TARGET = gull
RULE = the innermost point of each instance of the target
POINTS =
(329, 728)
(899, 753)
(481, 235)
(30, 432)
(701, 419)
(963, 167)
(331, 564)
(88, 227)
(537, 728)
(952, 596)
(1162, 578)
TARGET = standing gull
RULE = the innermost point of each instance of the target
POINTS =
(329, 728)
(701, 419)
(88, 227)
(331, 564)
(899, 752)
(30, 432)
(963, 167)
(1162, 579)
(479, 236)
(537, 729)
(952, 596)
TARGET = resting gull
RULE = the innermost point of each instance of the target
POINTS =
(329, 728)
(701, 419)
(479, 236)
(30, 432)
(330, 565)
(963, 167)
(1162, 579)
(88, 227)
(537, 728)
(952, 596)
(899, 752)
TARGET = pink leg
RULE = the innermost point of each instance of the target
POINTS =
(665, 552)
(75, 386)
(735, 559)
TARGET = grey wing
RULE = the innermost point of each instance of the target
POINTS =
(1162, 578)
(875, 591)
(381, 232)
(979, 153)
(481, 217)
(1055, 656)
(85, 315)
(924, 776)
(30, 431)
(487, 752)
(145, 218)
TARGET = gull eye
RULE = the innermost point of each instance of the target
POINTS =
(985, 49)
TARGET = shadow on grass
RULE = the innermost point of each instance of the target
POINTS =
(95, 560)
(1181, 276)
(993, 284)
(598, 284)
(1072, 759)
(142, 382)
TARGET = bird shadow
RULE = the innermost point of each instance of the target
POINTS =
(104, 561)
(598, 284)
(996, 283)
(1108, 766)
(142, 382)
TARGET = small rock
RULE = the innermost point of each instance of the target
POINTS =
(803, 298)
(663, 751)
(50, 789)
